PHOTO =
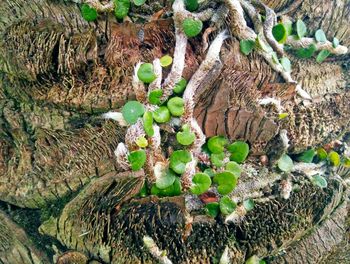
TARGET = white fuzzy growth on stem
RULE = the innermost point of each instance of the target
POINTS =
(138, 86)
(133, 133)
(225, 259)
(101, 7)
(122, 153)
(272, 101)
(156, 84)
(155, 251)
(116, 116)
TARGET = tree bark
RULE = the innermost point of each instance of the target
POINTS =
(59, 73)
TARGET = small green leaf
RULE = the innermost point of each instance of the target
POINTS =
(320, 36)
(139, 2)
(173, 190)
(176, 106)
(227, 206)
(246, 46)
(166, 61)
(217, 159)
(210, 172)
(154, 96)
(121, 8)
(285, 62)
(186, 137)
(148, 123)
(142, 142)
(234, 167)
(146, 73)
(346, 162)
(180, 86)
(279, 32)
(166, 179)
(282, 116)
(335, 42)
(88, 13)
(137, 159)
(226, 182)
(179, 159)
(319, 181)
(217, 144)
(253, 260)
(161, 115)
(306, 53)
(212, 209)
(288, 26)
(322, 56)
(285, 163)
(201, 183)
(131, 111)
(300, 28)
(191, 5)
(322, 154)
(248, 204)
(192, 27)
(334, 158)
(239, 151)
(307, 156)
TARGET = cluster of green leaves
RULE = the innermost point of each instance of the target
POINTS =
(226, 206)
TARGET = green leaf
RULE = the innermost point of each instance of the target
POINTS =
(143, 192)
(322, 153)
(192, 27)
(226, 182)
(335, 42)
(300, 28)
(285, 62)
(253, 260)
(139, 2)
(288, 26)
(319, 181)
(248, 204)
(179, 159)
(201, 183)
(322, 56)
(132, 110)
(217, 159)
(285, 163)
(146, 73)
(346, 162)
(234, 167)
(227, 206)
(210, 172)
(246, 46)
(166, 61)
(166, 179)
(307, 156)
(334, 158)
(186, 137)
(239, 151)
(282, 116)
(121, 8)
(212, 209)
(137, 159)
(176, 106)
(191, 5)
(142, 142)
(148, 123)
(173, 190)
(161, 115)
(320, 36)
(280, 33)
(306, 53)
(180, 86)
(88, 13)
(154, 96)
(217, 144)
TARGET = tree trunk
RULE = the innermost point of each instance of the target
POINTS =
(59, 73)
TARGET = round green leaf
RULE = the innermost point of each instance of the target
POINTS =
(210, 172)
(139, 2)
(226, 182)
(335, 42)
(212, 209)
(322, 154)
(121, 8)
(166, 179)
(217, 159)
(192, 27)
(142, 142)
(248, 204)
(148, 123)
(191, 5)
(180, 86)
(239, 151)
(288, 25)
(285, 163)
(319, 181)
(132, 110)
(154, 96)
(320, 36)
(307, 156)
(234, 168)
(179, 159)
(322, 56)
(334, 158)
(137, 159)
(176, 106)
(201, 183)
(146, 73)
(227, 206)
(300, 28)
(280, 33)
(88, 13)
(162, 114)
(166, 60)
(282, 116)
(217, 144)
(186, 137)
(285, 62)
(172, 190)
(246, 46)
(306, 53)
